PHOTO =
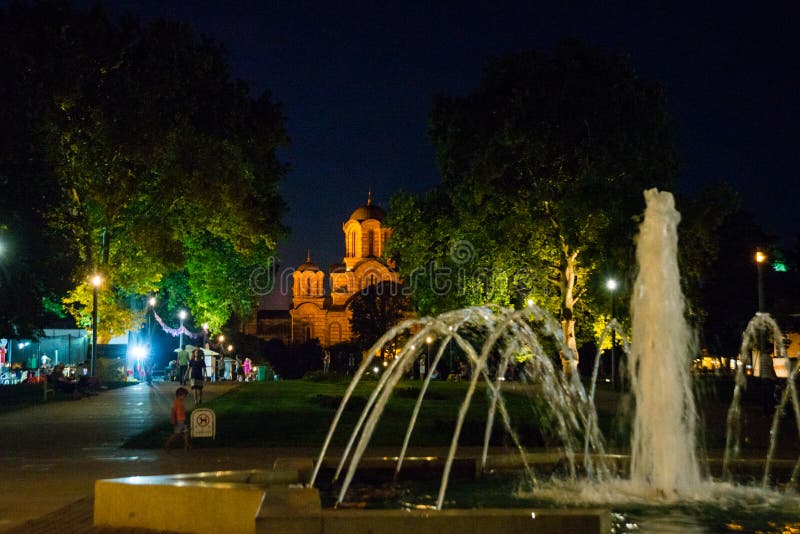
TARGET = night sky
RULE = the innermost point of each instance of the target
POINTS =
(356, 82)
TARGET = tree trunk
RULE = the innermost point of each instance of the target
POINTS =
(567, 285)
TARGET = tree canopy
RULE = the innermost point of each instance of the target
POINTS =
(543, 169)
(151, 161)
(376, 309)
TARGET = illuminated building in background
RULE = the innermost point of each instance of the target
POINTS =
(320, 304)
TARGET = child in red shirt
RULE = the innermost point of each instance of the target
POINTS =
(178, 419)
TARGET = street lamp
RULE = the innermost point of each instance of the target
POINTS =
(761, 258)
(611, 285)
(205, 334)
(765, 368)
(152, 303)
(428, 340)
(97, 280)
(181, 316)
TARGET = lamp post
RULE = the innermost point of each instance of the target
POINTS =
(181, 316)
(765, 369)
(205, 334)
(428, 341)
(151, 302)
(221, 338)
(96, 281)
(611, 285)
(760, 259)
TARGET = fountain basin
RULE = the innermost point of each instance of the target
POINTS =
(269, 501)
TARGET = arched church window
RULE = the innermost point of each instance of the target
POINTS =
(352, 244)
(308, 286)
(308, 333)
(371, 243)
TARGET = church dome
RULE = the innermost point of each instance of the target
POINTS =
(369, 211)
(308, 265)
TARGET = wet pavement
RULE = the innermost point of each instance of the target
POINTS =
(53, 453)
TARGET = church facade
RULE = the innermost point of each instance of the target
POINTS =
(320, 307)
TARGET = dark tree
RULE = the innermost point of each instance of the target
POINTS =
(153, 160)
(730, 295)
(376, 309)
(543, 170)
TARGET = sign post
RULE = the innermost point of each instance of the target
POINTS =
(203, 423)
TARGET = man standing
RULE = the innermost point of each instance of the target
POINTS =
(183, 364)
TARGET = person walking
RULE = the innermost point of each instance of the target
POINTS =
(237, 370)
(183, 364)
(220, 368)
(197, 375)
(178, 419)
(248, 366)
(326, 361)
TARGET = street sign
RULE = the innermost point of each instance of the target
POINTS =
(203, 423)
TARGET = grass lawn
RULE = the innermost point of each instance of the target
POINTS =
(299, 412)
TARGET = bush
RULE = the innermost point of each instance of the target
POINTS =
(294, 361)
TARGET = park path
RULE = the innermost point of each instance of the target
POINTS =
(51, 454)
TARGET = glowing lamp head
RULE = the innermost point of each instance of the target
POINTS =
(182, 315)
(230, 348)
(760, 257)
(429, 340)
(97, 280)
(205, 327)
(152, 301)
(529, 303)
(221, 338)
(611, 284)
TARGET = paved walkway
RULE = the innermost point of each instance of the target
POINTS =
(53, 453)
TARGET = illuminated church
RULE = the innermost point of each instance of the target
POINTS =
(321, 310)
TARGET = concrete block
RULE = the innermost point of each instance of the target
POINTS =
(303, 466)
(290, 510)
(173, 503)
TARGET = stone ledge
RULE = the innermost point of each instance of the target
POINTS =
(223, 501)
(477, 521)
(258, 501)
(295, 510)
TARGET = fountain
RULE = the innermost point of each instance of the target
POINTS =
(663, 458)
(664, 471)
(664, 467)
